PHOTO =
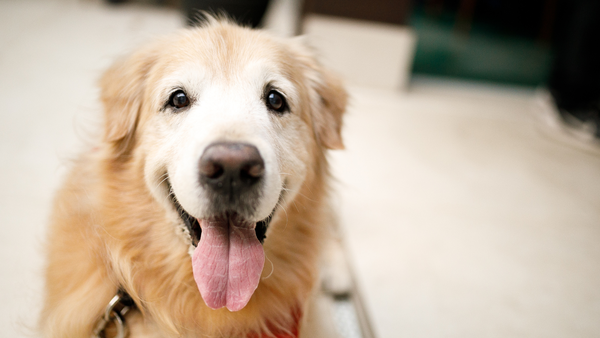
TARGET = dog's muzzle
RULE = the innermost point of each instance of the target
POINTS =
(232, 176)
(228, 258)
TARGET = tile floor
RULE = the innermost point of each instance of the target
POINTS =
(465, 213)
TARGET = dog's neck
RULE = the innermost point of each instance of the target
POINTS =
(122, 303)
(292, 332)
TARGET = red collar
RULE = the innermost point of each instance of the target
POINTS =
(294, 331)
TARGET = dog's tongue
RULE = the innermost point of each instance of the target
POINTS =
(227, 263)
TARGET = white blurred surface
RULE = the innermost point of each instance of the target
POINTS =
(464, 215)
(467, 216)
(282, 17)
(363, 53)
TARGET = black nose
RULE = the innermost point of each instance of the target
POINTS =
(231, 168)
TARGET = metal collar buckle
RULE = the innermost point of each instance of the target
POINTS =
(115, 312)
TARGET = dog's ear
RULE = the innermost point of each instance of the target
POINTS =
(121, 91)
(333, 97)
(329, 103)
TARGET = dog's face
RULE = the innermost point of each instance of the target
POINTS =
(228, 123)
(229, 133)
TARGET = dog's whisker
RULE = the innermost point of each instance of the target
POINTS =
(164, 177)
(286, 215)
(297, 209)
(308, 198)
(272, 267)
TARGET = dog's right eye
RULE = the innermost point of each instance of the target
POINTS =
(276, 101)
(179, 100)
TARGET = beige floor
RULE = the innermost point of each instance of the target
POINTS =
(465, 213)
(467, 216)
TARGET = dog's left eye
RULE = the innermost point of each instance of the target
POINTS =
(276, 101)
(179, 100)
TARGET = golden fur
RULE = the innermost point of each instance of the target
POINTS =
(108, 230)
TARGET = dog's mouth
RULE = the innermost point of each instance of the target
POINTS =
(193, 224)
(228, 257)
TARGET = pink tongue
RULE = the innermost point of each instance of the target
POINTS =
(227, 263)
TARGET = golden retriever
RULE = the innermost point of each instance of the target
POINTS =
(206, 198)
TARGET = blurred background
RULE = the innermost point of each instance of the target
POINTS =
(469, 191)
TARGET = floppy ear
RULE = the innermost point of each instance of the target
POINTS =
(329, 98)
(122, 87)
(328, 122)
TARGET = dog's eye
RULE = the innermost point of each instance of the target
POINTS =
(179, 100)
(276, 101)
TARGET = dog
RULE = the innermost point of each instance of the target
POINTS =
(205, 202)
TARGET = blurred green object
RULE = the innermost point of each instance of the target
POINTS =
(481, 53)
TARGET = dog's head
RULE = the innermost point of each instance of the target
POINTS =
(227, 122)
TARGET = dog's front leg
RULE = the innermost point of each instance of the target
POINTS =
(78, 284)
